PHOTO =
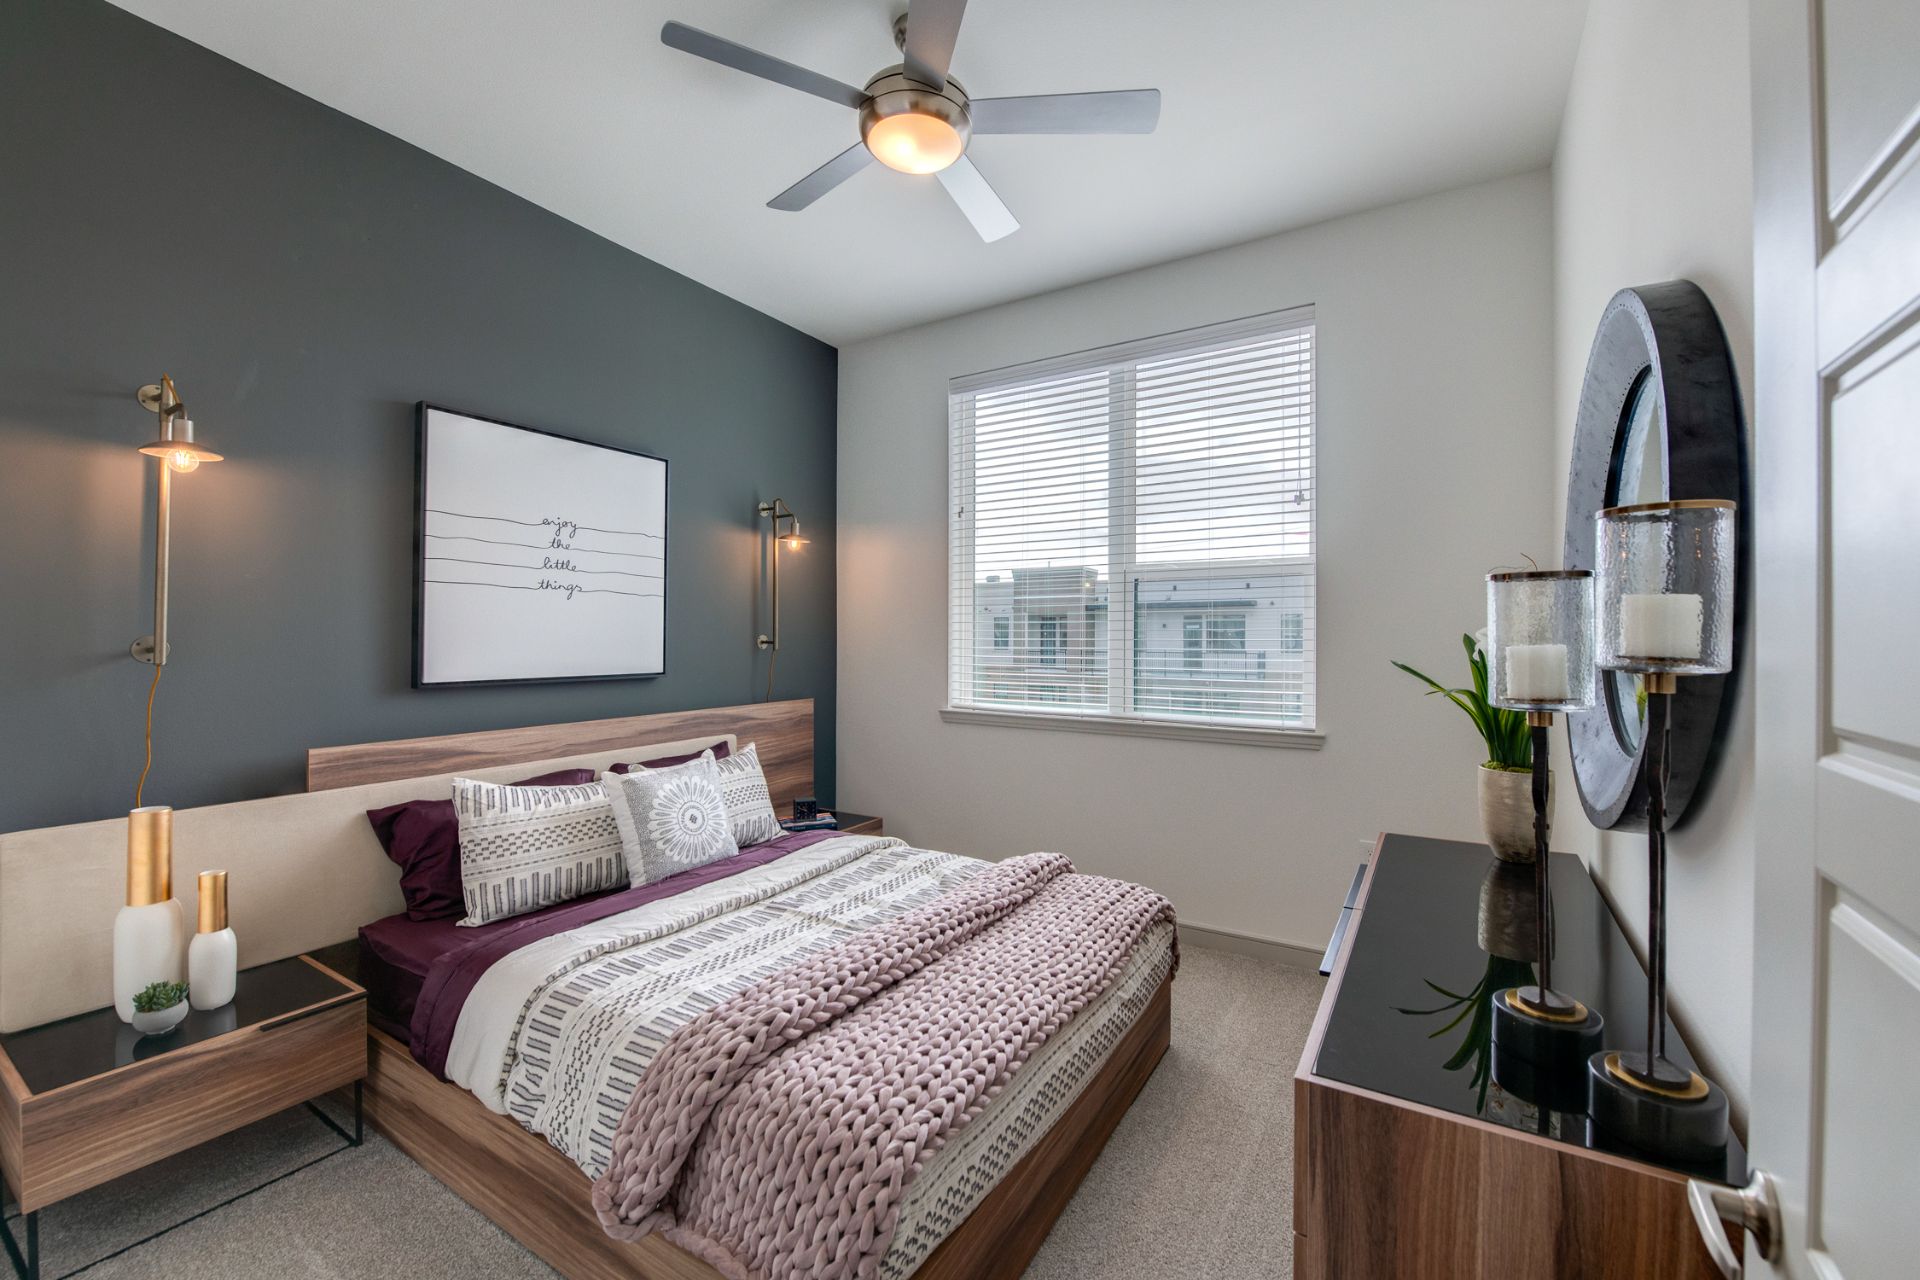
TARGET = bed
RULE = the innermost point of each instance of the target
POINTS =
(478, 1073)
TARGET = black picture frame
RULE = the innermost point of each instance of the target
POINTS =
(1665, 340)
(422, 409)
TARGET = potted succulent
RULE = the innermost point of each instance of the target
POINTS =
(1506, 777)
(158, 1007)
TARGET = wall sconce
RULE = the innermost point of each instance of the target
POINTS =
(776, 511)
(178, 452)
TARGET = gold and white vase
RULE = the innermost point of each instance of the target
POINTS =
(150, 933)
(213, 956)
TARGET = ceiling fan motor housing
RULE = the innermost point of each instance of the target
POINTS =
(894, 93)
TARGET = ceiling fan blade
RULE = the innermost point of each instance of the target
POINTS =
(932, 28)
(983, 207)
(1117, 111)
(824, 179)
(701, 44)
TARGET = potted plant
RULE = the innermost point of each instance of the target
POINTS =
(1506, 777)
(158, 1007)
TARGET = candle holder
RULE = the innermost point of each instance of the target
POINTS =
(1540, 651)
(1666, 579)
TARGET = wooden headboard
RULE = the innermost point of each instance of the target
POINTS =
(783, 730)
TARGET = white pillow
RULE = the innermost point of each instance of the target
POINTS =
(670, 820)
(743, 789)
(523, 848)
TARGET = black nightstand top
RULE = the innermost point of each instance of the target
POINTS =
(92, 1044)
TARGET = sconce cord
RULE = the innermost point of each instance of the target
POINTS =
(153, 688)
(773, 656)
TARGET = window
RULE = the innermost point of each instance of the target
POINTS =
(1138, 523)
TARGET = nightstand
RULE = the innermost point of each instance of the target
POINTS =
(858, 824)
(87, 1099)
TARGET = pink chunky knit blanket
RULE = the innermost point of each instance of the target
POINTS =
(775, 1135)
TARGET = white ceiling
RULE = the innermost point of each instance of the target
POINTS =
(1275, 114)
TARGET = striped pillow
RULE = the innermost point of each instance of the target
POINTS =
(523, 848)
(743, 789)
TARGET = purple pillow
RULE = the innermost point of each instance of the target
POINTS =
(719, 749)
(423, 838)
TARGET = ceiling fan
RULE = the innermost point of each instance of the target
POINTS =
(916, 118)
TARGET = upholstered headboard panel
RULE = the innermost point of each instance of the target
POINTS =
(305, 871)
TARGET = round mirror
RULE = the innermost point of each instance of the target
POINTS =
(1659, 419)
(1639, 475)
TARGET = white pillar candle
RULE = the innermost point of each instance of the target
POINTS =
(1660, 626)
(1537, 672)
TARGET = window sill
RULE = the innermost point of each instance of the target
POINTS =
(1300, 739)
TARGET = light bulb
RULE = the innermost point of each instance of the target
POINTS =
(914, 142)
(183, 460)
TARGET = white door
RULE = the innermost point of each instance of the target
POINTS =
(1835, 1115)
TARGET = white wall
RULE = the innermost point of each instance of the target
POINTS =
(1653, 181)
(1435, 399)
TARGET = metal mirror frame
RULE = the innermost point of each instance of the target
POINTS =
(1669, 336)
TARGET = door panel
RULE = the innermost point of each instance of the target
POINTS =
(1875, 552)
(1870, 48)
(1867, 1187)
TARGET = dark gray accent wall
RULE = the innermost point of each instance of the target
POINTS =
(306, 278)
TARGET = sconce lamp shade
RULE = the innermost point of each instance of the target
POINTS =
(178, 448)
(1540, 639)
(1665, 587)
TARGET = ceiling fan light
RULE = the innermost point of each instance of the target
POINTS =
(915, 143)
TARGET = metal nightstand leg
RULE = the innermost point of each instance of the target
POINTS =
(358, 1135)
(26, 1265)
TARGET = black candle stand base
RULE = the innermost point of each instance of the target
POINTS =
(1555, 1035)
(1540, 1057)
(1682, 1115)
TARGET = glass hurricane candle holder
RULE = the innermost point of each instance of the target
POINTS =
(1540, 660)
(1665, 596)
(1665, 587)
(1540, 639)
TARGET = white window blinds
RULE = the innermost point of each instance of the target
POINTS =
(1133, 530)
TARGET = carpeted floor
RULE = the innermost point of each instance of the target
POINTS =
(1197, 1180)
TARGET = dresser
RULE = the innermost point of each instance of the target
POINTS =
(1419, 1149)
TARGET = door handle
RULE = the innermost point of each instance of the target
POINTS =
(1754, 1209)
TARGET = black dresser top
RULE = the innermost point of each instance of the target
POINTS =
(1440, 929)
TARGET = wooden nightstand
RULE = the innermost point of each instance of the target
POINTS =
(858, 824)
(87, 1099)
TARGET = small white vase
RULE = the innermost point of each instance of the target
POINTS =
(213, 956)
(212, 963)
(160, 1021)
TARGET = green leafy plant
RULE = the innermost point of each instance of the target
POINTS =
(159, 995)
(1509, 741)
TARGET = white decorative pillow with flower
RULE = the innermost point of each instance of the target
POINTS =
(670, 820)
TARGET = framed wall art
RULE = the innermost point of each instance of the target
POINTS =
(539, 556)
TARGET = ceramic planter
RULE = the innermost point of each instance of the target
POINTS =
(1506, 812)
(160, 1021)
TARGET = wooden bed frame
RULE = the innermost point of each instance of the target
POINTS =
(539, 1196)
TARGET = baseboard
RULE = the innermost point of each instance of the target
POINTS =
(1249, 944)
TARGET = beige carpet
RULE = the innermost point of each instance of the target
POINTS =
(1197, 1180)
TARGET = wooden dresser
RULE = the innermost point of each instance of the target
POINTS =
(1418, 1149)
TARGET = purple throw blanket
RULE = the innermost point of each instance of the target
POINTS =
(775, 1135)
